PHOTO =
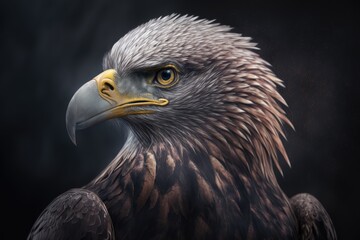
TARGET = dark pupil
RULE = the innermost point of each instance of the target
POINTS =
(166, 74)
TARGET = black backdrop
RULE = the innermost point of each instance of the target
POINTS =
(50, 48)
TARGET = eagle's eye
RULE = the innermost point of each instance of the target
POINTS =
(166, 77)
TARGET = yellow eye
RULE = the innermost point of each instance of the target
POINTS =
(166, 77)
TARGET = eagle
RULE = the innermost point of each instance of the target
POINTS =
(206, 125)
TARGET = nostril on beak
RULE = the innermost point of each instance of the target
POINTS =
(109, 86)
(107, 89)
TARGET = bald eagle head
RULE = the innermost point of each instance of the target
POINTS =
(190, 82)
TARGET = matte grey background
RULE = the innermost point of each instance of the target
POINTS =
(50, 48)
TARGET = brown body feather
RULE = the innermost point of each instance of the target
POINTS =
(186, 194)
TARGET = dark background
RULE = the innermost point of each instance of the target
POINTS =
(50, 48)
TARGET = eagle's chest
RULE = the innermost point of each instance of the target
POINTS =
(162, 197)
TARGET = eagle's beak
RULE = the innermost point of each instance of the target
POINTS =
(99, 100)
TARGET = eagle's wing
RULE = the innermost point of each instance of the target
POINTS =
(76, 214)
(314, 221)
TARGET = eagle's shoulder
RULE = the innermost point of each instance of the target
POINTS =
(75, 214)
(314, 222)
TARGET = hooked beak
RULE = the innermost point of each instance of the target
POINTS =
(99, 100)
